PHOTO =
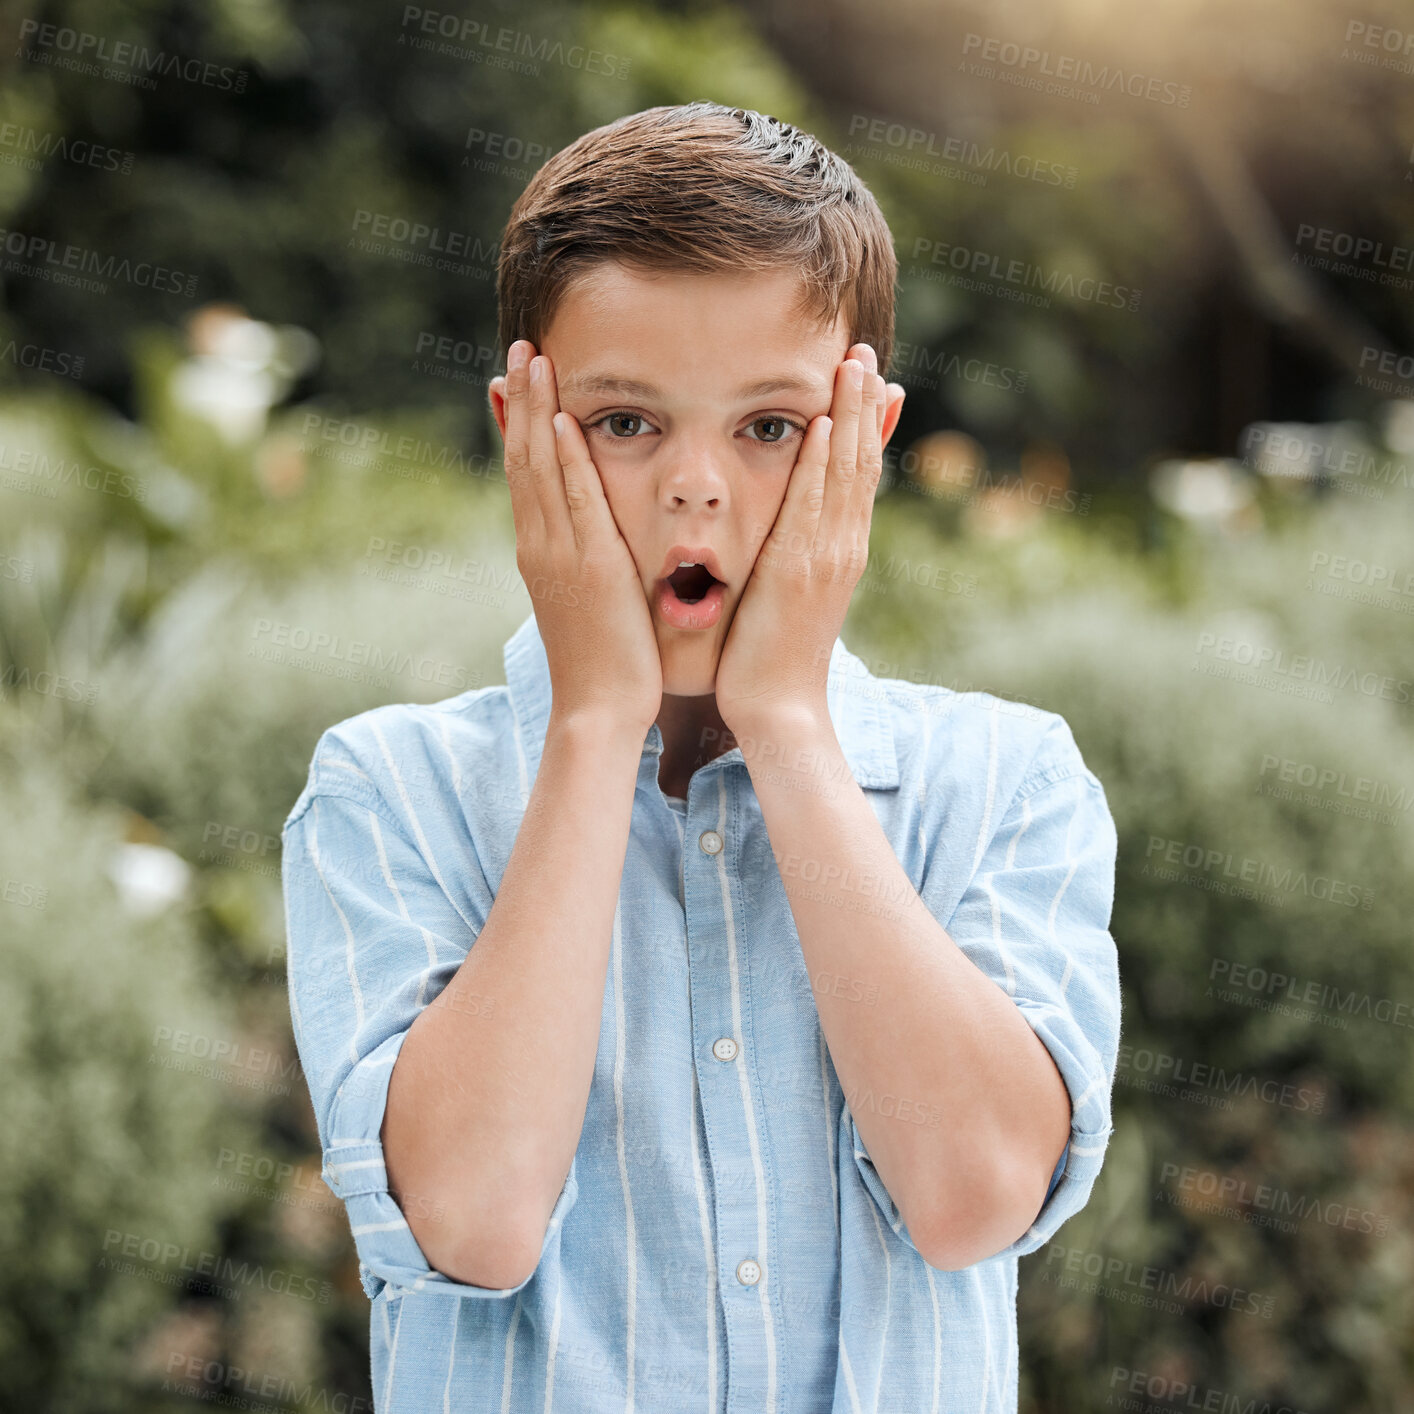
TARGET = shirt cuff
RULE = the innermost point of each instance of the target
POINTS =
(355, 1172)
(1088, 1085)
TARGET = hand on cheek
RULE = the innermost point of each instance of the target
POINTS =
(775, 663)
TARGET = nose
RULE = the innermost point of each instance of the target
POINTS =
(693, 479)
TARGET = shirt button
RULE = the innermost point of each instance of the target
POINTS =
(748, 1271)
(724, 1048)
(710, 842)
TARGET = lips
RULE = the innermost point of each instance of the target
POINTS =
(691, 571)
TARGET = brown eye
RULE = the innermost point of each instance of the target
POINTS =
(780, 429)
(615, 422)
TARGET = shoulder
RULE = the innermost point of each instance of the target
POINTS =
(405, 756)
(1013, 747)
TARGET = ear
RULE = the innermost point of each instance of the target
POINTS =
(893, 407)
(496, 394)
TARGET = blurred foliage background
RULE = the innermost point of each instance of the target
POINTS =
(1181, 518)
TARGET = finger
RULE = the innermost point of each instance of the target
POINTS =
(528, 498)
(792, 536)
(866, 355)
(864, 352)
(590, 517)
(871, 448)
(543, 452)
(852, 390)
(854, 503)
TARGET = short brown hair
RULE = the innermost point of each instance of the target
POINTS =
(700, 186)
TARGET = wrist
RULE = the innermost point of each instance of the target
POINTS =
(598, 730)
(780, 726)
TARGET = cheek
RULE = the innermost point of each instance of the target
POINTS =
(631, 510)
(765, 510)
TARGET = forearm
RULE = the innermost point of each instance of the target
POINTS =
(959, 1102)
(487, 1099)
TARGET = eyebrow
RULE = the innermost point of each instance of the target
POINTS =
(631, 387)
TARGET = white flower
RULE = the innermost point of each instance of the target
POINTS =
(149, 877)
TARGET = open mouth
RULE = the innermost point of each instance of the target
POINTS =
(691, 582)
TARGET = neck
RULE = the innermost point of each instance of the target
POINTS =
(693, 734)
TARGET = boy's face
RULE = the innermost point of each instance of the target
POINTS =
(696, 454)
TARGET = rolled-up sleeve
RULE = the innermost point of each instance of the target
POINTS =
(1035, 918)
(372, 938)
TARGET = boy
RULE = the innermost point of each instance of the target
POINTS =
(698, 1022)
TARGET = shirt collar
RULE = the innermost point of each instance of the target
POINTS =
(859, 707)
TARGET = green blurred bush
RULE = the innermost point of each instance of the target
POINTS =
(191, 724)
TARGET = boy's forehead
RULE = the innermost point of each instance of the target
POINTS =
(617, 332)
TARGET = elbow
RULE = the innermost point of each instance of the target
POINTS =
(502, 1257)
(473, 1239)
(496, 1266)
(976, 1225)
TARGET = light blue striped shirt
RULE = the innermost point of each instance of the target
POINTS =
(723, 1241)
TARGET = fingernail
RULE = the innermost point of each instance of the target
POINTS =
(537, 371)
(856, 373)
